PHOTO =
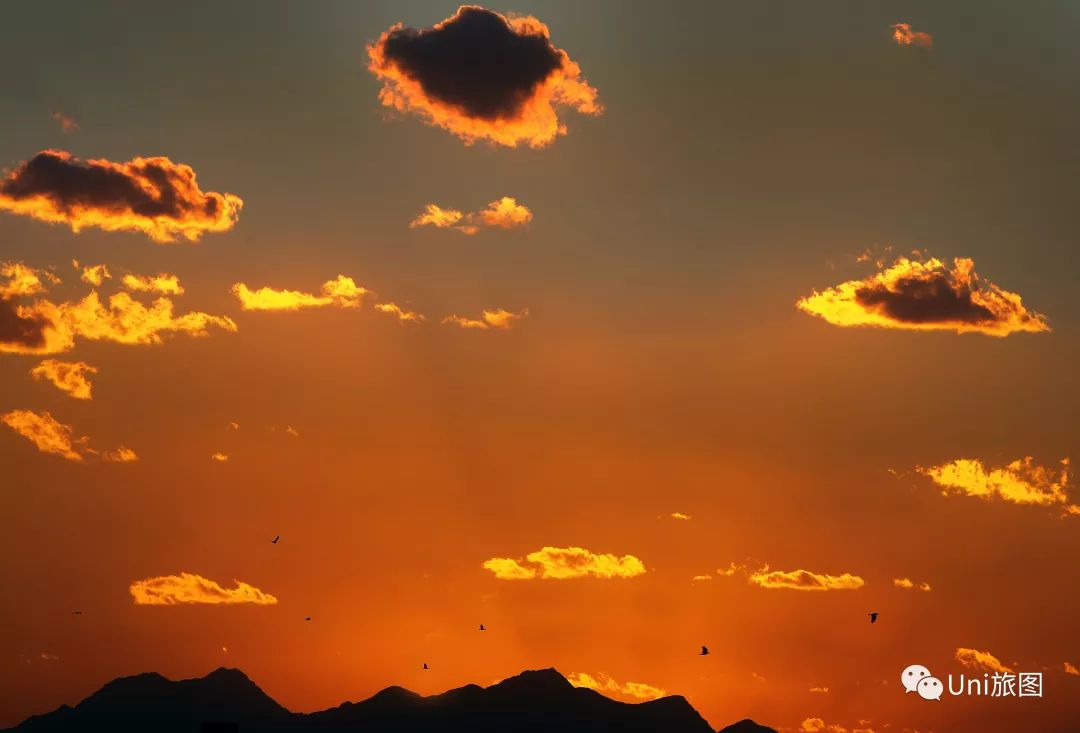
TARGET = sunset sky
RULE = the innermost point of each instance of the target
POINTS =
(719, 323)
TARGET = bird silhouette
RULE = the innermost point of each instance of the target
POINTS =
(704, 651)
(873, 617)
(276, 538)
(76, 613)
(307, 618)
(425, 666)
(482, 627)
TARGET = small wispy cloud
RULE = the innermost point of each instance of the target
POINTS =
(498, 319)
(603, 683)
(504, 213)
(189, 588)
(980, 661)
(403, 315)
(909, 584)
(903, 35)
(69, 377)
(562, 563)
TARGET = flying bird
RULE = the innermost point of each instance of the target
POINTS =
(873, 617)
(307, 618)
(276, 538)
(76, 613)
(482, 627)
(425, 666)
(704, 651)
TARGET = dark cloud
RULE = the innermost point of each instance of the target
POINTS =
(152, 195)
(925, 295)
(474, 61)
(928, 299)
(482, 76)
(20, 333)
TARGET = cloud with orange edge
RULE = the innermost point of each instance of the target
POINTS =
(903, 35)
(49, 435)
(120, 455)
(803, 580)
(925, 296)
(489, 319)
(154, 196)
(504, 213)
(341, 292)
(482, 76)
(980, 661)
(403, 315)
(92, 274)
(563, 563)
(189, 588)
(162, 283)
(1021, 482)
(627, 690)
(67, 376)
(21, 280)
(45, 327)
(909, 584)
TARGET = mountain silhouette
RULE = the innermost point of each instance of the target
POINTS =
(540, 701)
(746, 726)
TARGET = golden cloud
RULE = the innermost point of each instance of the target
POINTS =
(171, 590)
(904, 36)
(817, 725)
(154, 196)
(498, 318)
(403, 316)
(46, 432)
(440, 218)
(1070, 669)
(505, 213)
(21, 280)
(925, 296)
(120, 455)
(1020, 482)
(562, 563)
(50, 435)
(603, 683)
(163, 283)
(680, 515)
(804, 580)
(67, 376)
(219, 457)
(908, 584)
(341, 292)
(92, 274)
(44, 327)
(980, 661)
(481, 76)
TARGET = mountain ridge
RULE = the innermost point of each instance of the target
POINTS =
(226, 699)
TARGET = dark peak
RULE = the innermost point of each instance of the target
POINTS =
(395, 692)
(746, 726)
(227, 674)
(136, 681)
(549, 678)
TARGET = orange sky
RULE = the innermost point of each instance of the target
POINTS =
(773, 280)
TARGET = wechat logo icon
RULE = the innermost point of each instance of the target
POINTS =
(918, 679)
